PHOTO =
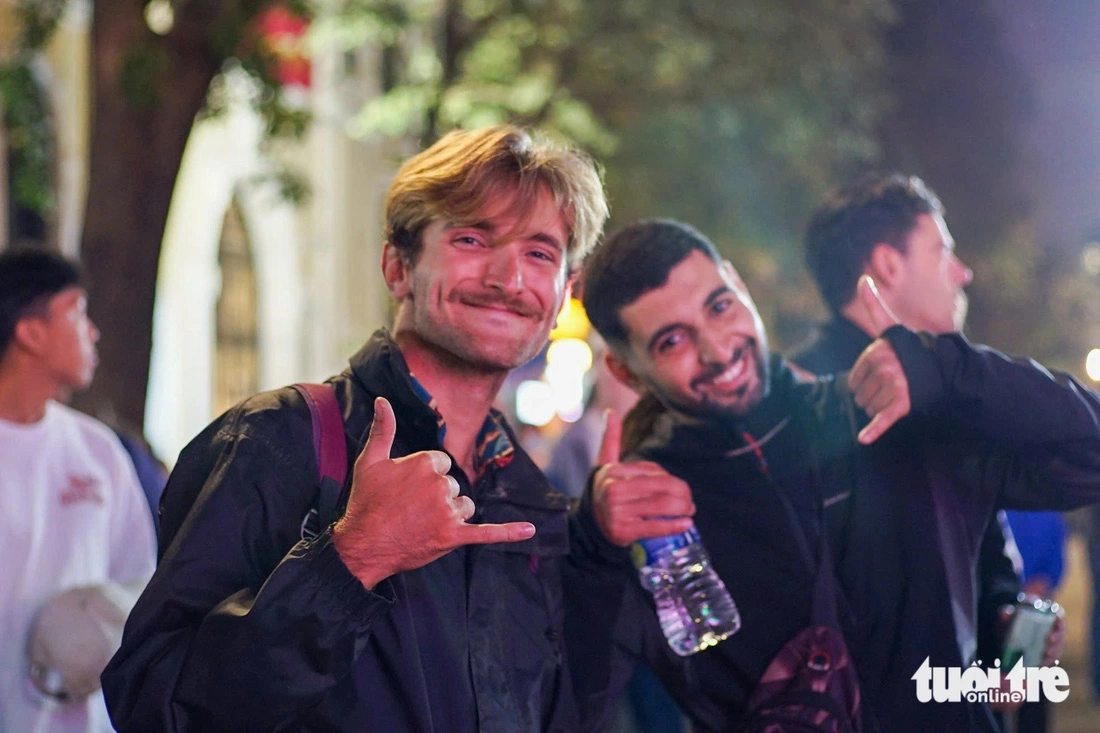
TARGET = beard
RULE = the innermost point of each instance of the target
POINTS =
(468, 344)
(743, 401)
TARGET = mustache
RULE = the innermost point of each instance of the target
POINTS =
(498, 300)
(714, 371)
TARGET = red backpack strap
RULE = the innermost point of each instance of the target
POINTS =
(329, 446)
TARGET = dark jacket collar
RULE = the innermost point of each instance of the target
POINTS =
(380, 369)
(678, 437)
(834, 348)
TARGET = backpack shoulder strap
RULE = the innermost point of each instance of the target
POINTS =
(329, 446)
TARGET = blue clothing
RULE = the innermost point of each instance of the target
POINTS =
(151, 474)
(1040, 537)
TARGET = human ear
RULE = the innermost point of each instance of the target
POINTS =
(886, 265)
(619, 369)
(28, 334)
(395, 271)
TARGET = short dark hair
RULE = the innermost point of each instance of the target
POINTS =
(630, 263)
(28, 279)
(875, 208)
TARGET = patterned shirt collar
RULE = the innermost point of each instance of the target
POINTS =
(494, 447)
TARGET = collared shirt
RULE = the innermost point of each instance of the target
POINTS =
(492, 448)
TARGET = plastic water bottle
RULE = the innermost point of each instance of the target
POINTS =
(693, 606)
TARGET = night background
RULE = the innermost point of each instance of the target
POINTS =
(734, 116)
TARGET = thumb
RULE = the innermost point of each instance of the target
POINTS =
(881, 316)
(611, 445)
(382, 430)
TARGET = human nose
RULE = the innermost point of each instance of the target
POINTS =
(963, 274)
(714, 349)
(93, 332)
(503, 271)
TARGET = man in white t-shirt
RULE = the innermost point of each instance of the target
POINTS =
(76, 537)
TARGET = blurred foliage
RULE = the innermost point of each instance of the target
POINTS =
(958, 120)
(733, 116)
(28, 130)
(28, 124)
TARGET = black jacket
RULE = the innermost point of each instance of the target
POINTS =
(245, 627)
(1009, 434)
(835, 348)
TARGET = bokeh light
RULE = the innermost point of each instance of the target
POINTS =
(1092, 365)
(535, 403)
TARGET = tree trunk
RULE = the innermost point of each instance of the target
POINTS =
(136, 149)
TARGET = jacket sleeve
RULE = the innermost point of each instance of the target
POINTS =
(611, 625)
(1043, 427)
(602, 654)
(998, 585)
(243, 626)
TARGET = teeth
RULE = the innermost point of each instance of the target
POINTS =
(732, 373)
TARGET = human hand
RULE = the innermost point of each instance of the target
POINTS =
(1052, 651)
(634, 501)
(403, 513)
(877, 381)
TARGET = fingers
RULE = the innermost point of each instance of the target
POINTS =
(486, 534)
(881, 316)
(882, 422)
(649, 496)
(382, 431)
(453, 488)
(611, 445)
(441, 462)
(464, 506)
(627, 531)
(879, 387)
(1056, 642)
(631, 470)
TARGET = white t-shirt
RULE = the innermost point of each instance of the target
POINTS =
(71, 514)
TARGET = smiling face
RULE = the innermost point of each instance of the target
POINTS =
(697, 341)
(484, 294)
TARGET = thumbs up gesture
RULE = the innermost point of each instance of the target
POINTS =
(403, 513)
(634, 501)
(877, 381)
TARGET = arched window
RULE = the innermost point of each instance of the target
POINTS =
(236, 354)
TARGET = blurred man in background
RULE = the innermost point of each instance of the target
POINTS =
(75, 532)
(892, 227)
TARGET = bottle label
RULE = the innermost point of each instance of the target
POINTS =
(1028, 634)
(656, 550)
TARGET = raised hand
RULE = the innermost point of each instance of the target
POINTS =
(634, 501)
(403, 513)
(877, 381)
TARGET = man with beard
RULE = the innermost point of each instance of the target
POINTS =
(433, 603)
(760, 458)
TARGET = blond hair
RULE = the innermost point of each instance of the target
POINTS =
(455, 178)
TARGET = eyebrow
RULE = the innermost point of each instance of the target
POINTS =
(714, 295)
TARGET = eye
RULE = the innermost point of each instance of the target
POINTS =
(544, 255)
(721, 306)
(669, 342)
(468, 240)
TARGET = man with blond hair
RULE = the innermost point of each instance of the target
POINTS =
(433, 603)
